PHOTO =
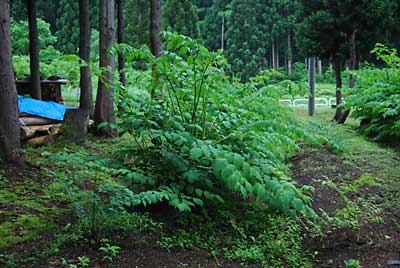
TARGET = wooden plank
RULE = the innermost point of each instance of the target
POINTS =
(35, 121)
(30, 131)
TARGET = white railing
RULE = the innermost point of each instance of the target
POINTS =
(319, 102)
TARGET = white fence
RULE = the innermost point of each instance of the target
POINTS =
(319, 102)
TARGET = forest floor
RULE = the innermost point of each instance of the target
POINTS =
(357, 195)
(361, 187)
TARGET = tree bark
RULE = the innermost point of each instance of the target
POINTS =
(155, 39)
(222, 32)
(353, 58)
(86, 98)
(338, 70)
(104, 109)
(277, 57)
(75, 125)
(352, 66)
(9, 126)
(155, 28)
(121, 59)
(273, 55)
(319, 65)
(311, 81)
(36, 91)
(289, 54)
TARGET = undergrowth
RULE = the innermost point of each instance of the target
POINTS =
(205, 138)
(376, 99)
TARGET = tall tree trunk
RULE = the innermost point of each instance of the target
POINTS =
(290, 52)
(353, 58)
(352, 66)
(269, 55)
(319, 66)
(36, 91)
(338, 70)
(222, 32)
(330, 64)
(273, 55)
(311, 82)
(277, 57)
(104, 110)
(86, 99)
(155, 28)
(9, 124)
(121, 59)
(155, 39)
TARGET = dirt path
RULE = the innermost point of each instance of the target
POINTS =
(360, 191)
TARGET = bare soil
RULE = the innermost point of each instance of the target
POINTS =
(373, 244)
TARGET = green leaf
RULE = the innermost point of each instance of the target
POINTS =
(190, 60)
(206, 151)
(198, 201)
(183, 50)
(259, 190)
(219, 165)
(246, 169)
(103, 125)
(243, 191)
(298, 204)
(219, 198)
(232, 180)
(195, 153)
(238, 161)
(182, 207)
(226, 172)
(199, 192)
(249, 187)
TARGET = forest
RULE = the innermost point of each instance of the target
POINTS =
(199, 133)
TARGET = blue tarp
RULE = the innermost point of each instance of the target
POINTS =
(47, 109)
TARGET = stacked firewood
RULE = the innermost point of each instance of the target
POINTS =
(38, 130)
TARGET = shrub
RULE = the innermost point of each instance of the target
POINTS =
(205, 138)
(376, 97)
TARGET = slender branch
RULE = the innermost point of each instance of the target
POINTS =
(175, 93)
(194, 111)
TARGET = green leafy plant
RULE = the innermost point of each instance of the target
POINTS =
(83, 262)
(376, 99)
(242, 231)
(98, 202)
(110, 251)
(181, 239)
(352, 263)
(195, 143)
